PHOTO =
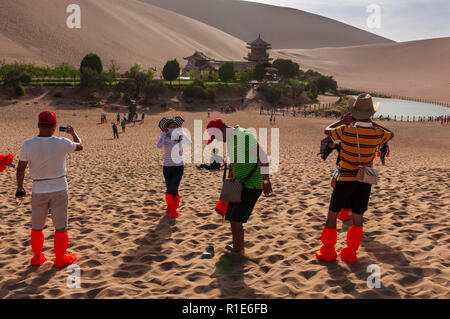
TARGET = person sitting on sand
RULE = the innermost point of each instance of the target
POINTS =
(215, 162)
(254, 166)
(171, 139)
(46, 155)
(349, 193)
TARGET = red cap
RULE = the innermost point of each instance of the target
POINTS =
(47, 117)
(216, 123)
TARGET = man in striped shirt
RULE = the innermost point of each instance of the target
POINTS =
(349, 193)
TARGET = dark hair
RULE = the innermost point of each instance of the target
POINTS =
(42, 125)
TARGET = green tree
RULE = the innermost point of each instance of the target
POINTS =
(91, 79)
(286, 68)
(93, 62)
(273, 94)
(259, 72)
(171, 71)
(226, 72)
(195, 74)
(15, 76)
(112, 74)
(154, 89)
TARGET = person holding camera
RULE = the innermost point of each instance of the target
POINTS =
(171, 140)
(359, 142)
(45, 154)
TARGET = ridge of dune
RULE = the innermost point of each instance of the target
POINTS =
(282, 27)
(126, 31)
(416, 69)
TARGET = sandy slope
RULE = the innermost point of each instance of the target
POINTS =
(127, 32)
(127, 247)
(416, 69)
(283, 27)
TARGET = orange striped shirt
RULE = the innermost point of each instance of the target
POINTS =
(369, 139)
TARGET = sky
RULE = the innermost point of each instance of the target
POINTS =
(398, 20)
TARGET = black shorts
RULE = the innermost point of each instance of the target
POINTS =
(354, 195)
(240, 212)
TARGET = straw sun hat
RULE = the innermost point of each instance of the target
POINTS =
(362, 107)
(165, 121)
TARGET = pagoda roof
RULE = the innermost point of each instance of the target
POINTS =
(199, 55)
(259, 42)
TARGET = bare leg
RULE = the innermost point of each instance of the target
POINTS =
(357, 220)
(237, 230)
(331, 220)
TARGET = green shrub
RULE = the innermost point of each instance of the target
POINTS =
(58, 94)
(154, 89)
(15, 76)
(20, 90)
(91, 79)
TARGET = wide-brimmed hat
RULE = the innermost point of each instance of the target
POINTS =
(362, 107)
(165, 121)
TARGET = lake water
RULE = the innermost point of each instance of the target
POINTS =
(393, 107)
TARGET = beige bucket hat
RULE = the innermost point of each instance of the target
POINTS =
(362, 107)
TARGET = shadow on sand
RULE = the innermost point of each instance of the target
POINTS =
(229, 275)
(138, 262)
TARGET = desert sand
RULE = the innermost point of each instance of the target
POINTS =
(280, 26)
(126, 32)
(129, 32)
(417, 69)
(128, 248)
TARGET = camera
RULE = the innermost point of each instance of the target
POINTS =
(63, 128)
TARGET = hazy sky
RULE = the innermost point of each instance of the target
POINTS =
(400, 20)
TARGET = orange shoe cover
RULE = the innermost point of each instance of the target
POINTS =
(172, 205)
(343, 215)
(62, 259)
(354, 238)
(37, 243)
(327, 251)
(221, 208)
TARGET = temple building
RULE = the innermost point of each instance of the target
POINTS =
(258, 51)
(201, 62)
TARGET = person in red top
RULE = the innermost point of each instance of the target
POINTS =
(45, 154)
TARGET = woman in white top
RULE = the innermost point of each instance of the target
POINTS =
(171, 140)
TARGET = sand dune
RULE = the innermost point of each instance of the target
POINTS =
(282, 27)
(127, 247)
(417, 69)
(127, 32)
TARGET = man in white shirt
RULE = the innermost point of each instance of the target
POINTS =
(46, 156)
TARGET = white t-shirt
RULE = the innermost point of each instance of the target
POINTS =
(46, 157)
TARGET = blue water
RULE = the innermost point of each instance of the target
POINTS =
(393, 107)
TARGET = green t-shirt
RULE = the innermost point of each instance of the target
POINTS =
(242, 149)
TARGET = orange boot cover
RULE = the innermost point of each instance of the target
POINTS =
(62, 259)
(354, 238)
(221, 209)
(37, 243)
(327, 251)
(177, 204)
(343, 215)
(171, 206)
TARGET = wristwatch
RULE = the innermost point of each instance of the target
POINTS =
(266, 182)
